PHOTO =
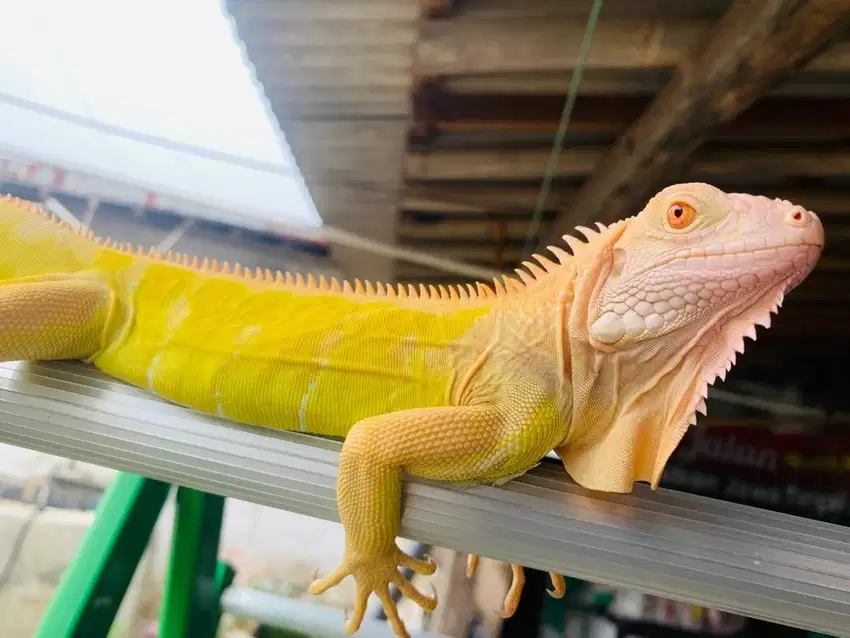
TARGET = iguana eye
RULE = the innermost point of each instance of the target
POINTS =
(680, 215)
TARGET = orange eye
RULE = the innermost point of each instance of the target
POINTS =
(680, 215)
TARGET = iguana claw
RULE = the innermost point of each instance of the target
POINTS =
(517, 583)
(375, 574)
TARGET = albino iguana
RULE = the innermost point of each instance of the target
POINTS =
(603, 355)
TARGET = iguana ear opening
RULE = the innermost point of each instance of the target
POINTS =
(606, 329)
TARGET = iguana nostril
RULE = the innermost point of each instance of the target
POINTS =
(798, 217)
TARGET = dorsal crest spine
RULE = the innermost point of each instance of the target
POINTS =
(508, 286)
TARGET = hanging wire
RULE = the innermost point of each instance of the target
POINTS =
(554, 155)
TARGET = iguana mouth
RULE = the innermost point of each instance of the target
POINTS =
(695, 254)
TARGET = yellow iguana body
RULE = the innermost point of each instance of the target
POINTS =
(603, 356)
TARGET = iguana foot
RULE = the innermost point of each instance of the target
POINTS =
(375, 574)
(517, 583)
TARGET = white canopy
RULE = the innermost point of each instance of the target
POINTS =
(150, 96)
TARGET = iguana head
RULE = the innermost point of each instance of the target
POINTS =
(698, 258)
(673, 292)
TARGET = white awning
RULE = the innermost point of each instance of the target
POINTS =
(154, 95)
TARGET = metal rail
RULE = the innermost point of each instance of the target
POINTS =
(734, 558)
(300, 617)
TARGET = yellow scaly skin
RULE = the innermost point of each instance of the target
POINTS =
(604, 356)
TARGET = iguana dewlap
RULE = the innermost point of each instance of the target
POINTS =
(604, 355)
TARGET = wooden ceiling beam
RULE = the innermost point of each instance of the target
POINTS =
(518, 10)
(465, 198)
(608, 81)
(625, 191)
(434, 9)
(753, 48)
(474, 43)
(439, 110)
(280, 14)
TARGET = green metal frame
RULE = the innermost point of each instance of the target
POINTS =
(190, 604)
(95, 582)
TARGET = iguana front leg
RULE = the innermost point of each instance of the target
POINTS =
(48, 317)
(460, 444)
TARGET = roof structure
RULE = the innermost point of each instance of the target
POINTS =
(431, 122)
(338, 77)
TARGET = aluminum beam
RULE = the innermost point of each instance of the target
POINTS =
(740, 559)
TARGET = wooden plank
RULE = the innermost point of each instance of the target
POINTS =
(485, 254)
(276, 66)
(367, 210)
(443, 111)
(306, 96)
(339, 152)
(248, 12)
(320, 59)
(293, 70)
(614, 81)
(753, 48)
(613, 9)
(461, 210)
(462, 46)
(342, 136)
(488, 165)
(319, 175)
(436, 197)
(435, 9)
(468, 230)
(389, 104)
(338, 102)
(466, 44)
(712, 163)
(604, 81)
(280, 36)
(324, 111)
(343, 200)
(296, 78)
